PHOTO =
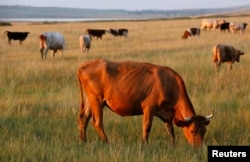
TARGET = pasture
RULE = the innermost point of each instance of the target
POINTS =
(39, 99)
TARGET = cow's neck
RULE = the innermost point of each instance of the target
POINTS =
(184, 108)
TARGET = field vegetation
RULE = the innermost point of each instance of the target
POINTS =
(39, 99)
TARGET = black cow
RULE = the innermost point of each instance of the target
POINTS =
(119, 32)
(21, 36)
(96, 32)
(225, 26)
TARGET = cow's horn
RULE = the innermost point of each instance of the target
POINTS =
(209, 116)
(187, 119)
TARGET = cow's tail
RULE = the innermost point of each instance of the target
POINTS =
(4, 34)
(81, 94)
(215, 53)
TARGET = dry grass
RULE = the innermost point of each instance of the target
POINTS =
(39, 99)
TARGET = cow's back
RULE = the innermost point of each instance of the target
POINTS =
(223, 52)
(54, 40)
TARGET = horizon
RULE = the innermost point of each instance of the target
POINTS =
(130, 5)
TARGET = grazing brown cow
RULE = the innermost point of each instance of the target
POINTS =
(225, 53)
(96, 32)
(191, 32)
(21, 36)
(133, 88)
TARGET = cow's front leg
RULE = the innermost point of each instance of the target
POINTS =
(170, 130)
(217, 65)
(147, 123)
(41, 51)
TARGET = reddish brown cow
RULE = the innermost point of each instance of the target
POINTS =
(133, 88)
(225, 53)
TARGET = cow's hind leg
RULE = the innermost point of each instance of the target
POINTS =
(97, 112)
(83, 120)
(230, 67)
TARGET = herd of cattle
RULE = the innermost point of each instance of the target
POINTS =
(134, 88)
(55, 41)
(214, 24)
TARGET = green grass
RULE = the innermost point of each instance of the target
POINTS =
(39, 99)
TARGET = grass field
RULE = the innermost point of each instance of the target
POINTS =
(39, 99)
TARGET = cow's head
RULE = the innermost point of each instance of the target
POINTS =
(222, 21)
(186, 35)
(194, 128)
(244, 26)
(238, 54)
(42, 42)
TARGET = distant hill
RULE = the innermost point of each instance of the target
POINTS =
(15, 12)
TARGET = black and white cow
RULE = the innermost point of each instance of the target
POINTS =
(191, 32)
(119, 32)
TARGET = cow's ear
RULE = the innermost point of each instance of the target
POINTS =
(207, 122)
(181, 123)
(242, 53)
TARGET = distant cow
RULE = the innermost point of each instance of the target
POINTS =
(237, 27)
(134, 88)
(98, 33)
(119, 32)
(225, 53)
(191, 32)
(21, 36)
(225, 26)
(53, 41)
(85, 42)
(211, 23)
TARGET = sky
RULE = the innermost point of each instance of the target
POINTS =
(130, 4)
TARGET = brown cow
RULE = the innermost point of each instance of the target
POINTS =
(133, 88)
(225, 53)
(96, 32)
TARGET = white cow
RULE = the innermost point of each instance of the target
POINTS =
(53, 41)
(85, 42)
(237, 27)
(211, 23)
